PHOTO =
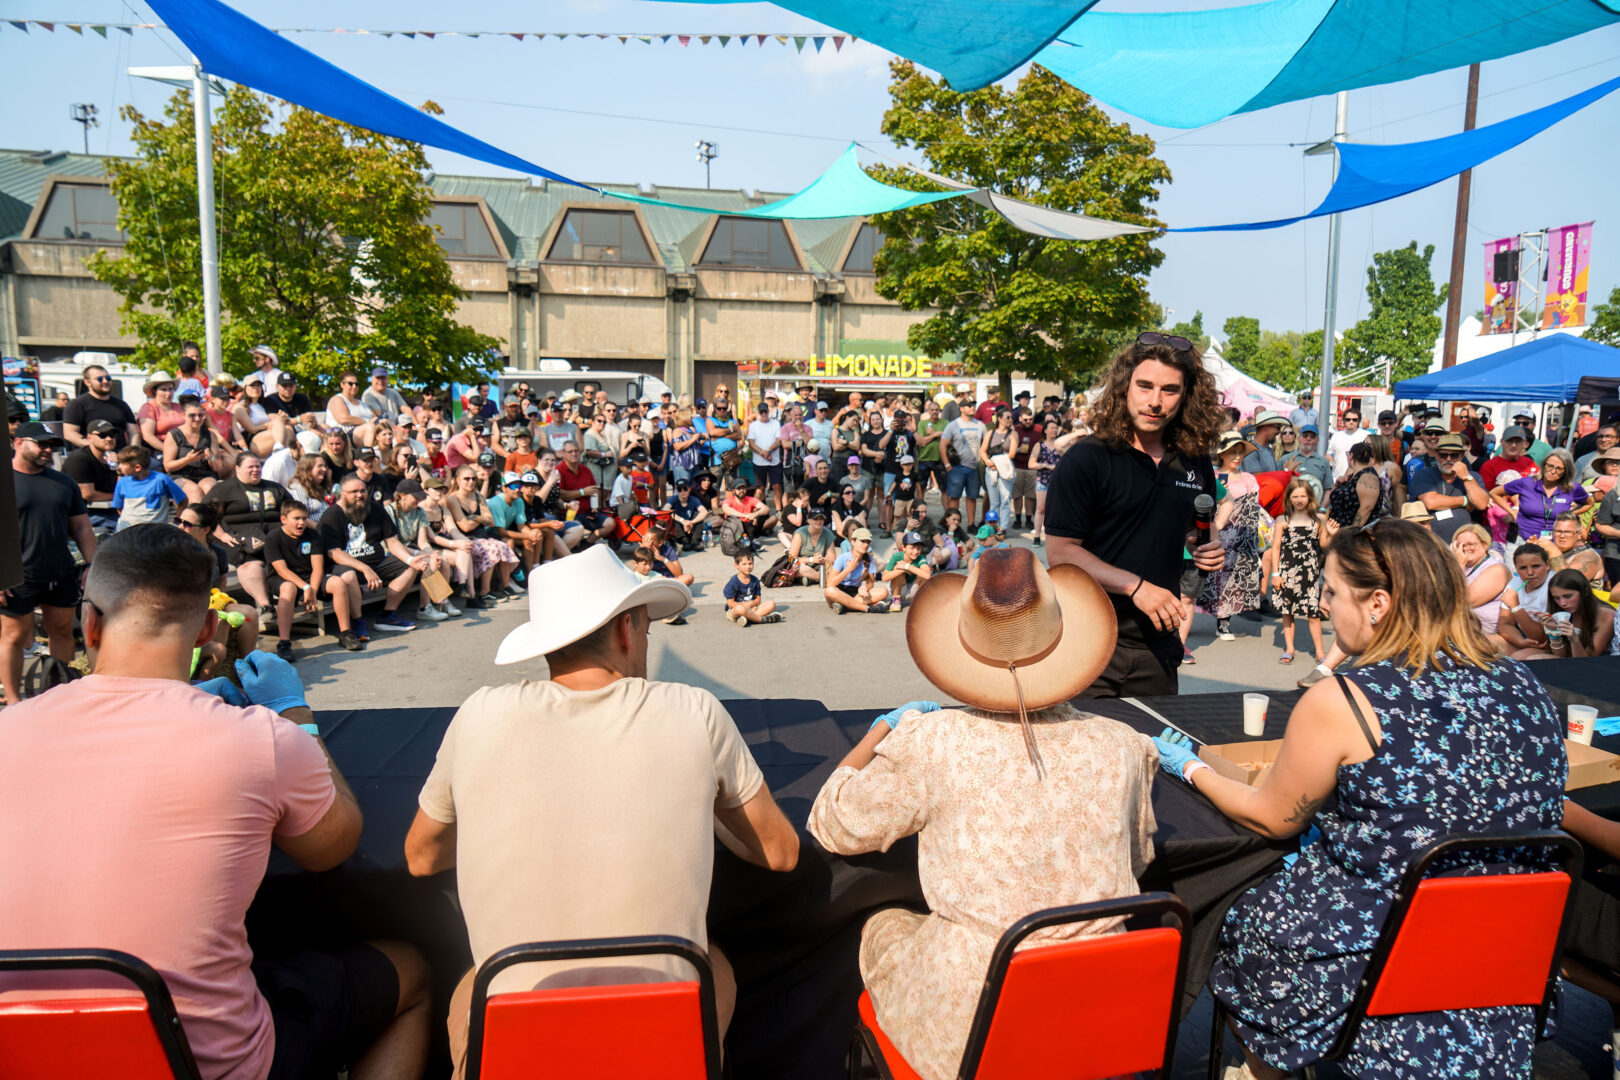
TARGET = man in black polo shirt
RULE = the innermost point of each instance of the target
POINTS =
(97, 403)
(87, 466)
(1120, 504)
(287, 399)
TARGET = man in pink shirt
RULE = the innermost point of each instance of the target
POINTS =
(137, 813)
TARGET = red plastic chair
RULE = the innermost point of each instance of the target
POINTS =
(1452, 943)
(1079, 1010)
(667, 1030)
(92, 1037)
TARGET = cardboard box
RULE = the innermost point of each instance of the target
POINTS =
(1246, 762)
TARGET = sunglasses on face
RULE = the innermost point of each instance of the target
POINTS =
(101, 378)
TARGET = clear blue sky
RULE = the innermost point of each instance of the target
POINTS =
(799, 109)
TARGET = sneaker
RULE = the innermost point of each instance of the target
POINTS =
(736, 617)
(837, 608)
(488, 600)
(775, 616)
(879, 608)
(514, 591)
(361, 630)
(1187, 656)
(1226, 635)
(675, 620)
(394, 623)
(473, 603)
(449, 609)
(1314, 676)
(284, 650)
(1036, 541)
(347, 639)
(431, 614)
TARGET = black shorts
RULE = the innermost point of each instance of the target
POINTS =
(389, 568)
(273, 583)
(24, 599)
(1192, 581)
(328, 1008)
(768, 475)
(925, 469)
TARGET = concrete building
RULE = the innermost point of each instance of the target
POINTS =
(551, 270)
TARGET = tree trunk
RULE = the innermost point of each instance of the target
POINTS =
(1005, 382)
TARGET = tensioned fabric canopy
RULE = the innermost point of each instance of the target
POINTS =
(1207, 65)
(1372, 173)
(1546, 369)
(970, 42)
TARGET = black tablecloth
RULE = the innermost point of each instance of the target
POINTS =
(792, 938)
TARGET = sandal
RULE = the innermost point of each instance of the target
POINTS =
(1286, 658)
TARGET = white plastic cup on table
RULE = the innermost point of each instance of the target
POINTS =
(1254, 714)
(1582, 723)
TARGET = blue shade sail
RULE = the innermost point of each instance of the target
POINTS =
(1190, 68)
(1546, 369)
(970, 42)
(233, 46)
(1370, 173)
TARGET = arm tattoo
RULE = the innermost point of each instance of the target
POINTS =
(1304, 810)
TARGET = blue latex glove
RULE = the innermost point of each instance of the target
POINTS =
(225, 690)
(1175, 752)
(892, 717)
(270, 681)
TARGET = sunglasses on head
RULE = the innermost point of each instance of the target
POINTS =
(1179, 344)
(1378, 553)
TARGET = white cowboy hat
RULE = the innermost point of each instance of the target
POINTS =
(571, 597)
(156, 379)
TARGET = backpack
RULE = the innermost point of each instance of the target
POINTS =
(780, 574)
(46, 672)
(733, 540)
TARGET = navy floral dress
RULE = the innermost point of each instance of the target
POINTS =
(1464, 750)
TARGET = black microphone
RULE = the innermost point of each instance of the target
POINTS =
(1203, 516)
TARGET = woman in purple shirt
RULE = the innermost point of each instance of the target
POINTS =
(1539, 499)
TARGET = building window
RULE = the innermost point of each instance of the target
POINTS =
(750, 242)
(460, 229)
(600, 236)
(80, 212)
(862, 251)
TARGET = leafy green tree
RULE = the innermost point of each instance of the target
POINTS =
(1603, 322)
(1399, 331)
(1242, 341)
(325, 253)
(1192, 330)
(1006, 300)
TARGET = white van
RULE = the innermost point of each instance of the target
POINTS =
(555, 376)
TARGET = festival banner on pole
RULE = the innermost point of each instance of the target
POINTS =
(1569, 256)
(1501, 285)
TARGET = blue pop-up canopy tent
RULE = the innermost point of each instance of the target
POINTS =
(1546, 369)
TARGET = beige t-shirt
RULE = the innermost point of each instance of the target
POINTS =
(586, 815)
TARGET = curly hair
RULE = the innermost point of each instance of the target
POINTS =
(1198, 420)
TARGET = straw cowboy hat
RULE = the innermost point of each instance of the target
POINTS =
(571, 597)
(1415, 511)
(1230, 440)
(1054, 628)
(157, 379)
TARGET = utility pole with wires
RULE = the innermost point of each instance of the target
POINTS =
(706, 152)
(1459, 232)
(87, 117)
(1325, 416)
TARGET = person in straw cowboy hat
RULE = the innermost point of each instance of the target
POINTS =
(1019, 800)
(586, 804)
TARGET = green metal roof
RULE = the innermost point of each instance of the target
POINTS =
(523, 209)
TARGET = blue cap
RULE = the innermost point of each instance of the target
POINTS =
(701, 403)
(992, 516)
(1310, 428)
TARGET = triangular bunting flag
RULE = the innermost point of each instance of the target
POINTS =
(624, 39)
(75, 27)
(102, 30)
(725, 39)
(409, 33)
(761, 38)
(518, 36)
(19, 24)
(665, 38)
(429, 34)
(781, 39)
(684, 39)
(386, 33)
(645, 39)
(601, 37)
(49, 26)
(799, 41)
(128, 30)
(474, 35)
(838, 43)
(704, 38)
(818, 42)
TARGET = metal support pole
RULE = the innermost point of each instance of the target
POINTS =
(1459, 232)
(1325, 415)
(212, 349)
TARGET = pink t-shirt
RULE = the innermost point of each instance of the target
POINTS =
(137, 814)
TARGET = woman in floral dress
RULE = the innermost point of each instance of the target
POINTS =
(1432, 733)
(1235, 587)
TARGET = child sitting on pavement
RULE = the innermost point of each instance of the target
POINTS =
(743, 593)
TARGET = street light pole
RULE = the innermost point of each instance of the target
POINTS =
(202, 113)
(706, 152)
(1324, 406)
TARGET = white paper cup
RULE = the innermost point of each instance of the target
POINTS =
(1254, 714)
(1582, 723)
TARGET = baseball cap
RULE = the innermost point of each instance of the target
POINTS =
(871, 405)
(992, 516)
(1387, 414)
(286, 378)
(102, 427)
(409, 486)
(486, 458)
(702, 403)
(1516, 433)
(511, 479)
(435, 435)
(379, 373)
(512, 399)
(853, 460)
(1524, 416)
(1451, 442)
(434, 482)
(907, 459)
(820, 405)
(529, 478)
(365, 453)
(986, 532)
(861, 534)
(912, 537)
(38, 432)
(817, 512)
(309, 441)
(1309, 429)
(551, 395)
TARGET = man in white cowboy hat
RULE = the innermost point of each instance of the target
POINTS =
(1267, 426)
(586, 804)
(269, 365)
(1019, 801)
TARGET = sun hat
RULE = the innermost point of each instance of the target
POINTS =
(1012, 636)
(569, 598)
(1451, 442)
(309, 441)
(1232, 439)
(1611, 454)
(157, 378)
(1415, 511)
(1266, 416)
(265, 350)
